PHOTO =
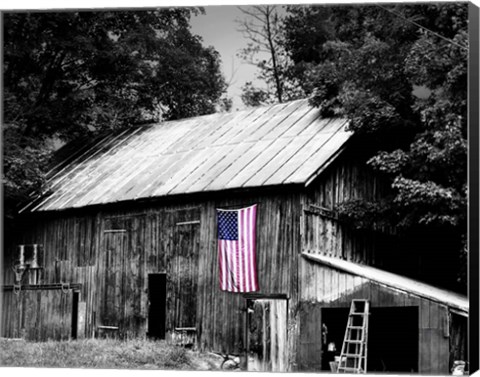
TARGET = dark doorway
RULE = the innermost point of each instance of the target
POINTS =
(392, 337)
(75, 298)
(393, 340)
(157, 296)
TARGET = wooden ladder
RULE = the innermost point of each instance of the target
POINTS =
(353, 358)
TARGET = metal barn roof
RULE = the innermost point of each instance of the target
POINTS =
(415, 287)
(274, 145)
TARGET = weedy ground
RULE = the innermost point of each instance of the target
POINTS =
(104, 354)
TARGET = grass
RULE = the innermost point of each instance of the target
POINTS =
(104, 354)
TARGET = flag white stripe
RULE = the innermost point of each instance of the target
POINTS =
(227, 263)
(231, 266)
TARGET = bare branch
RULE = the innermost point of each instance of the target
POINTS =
(262, 28)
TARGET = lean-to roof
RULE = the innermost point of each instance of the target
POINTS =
(411, 286)
(280, 144)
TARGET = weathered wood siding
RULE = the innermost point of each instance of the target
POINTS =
(37, 314)
(347, 178)
(324, 287)
(267, 336)
(111, 253)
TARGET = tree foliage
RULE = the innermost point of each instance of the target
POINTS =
(73, 74)
(368, 63)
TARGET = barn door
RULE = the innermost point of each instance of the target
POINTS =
(184, 269)
(112, 300)
(121, 277)
(267, 335)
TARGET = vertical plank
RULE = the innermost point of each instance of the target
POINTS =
(435, 321)
(439, 352)
(335, 293)
(374, 294)
(424, 351)
(424, 314)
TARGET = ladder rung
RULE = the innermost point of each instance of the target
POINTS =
(355, 355)
(354, 341)
(355, 327)
(348, 369)
(359, 313)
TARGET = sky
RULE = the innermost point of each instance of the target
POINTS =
(218, 28)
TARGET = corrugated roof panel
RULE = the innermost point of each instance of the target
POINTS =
(311, 117)
(329, 126)
(235, 155)
(285, 143)
(275, 120)
(206, 127)
(283, 128)
(186, 170)
(129, 186)
(322, 155)
(161, 173)
(269, 150)
(215, 165)
(95, 153)
(114, 170)
(301, 157)
(237, 133)
(203, 171)
(251, 152)
(278, 161)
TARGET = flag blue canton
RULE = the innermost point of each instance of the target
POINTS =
(228, 225)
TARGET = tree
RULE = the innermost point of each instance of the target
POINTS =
(76, 74)
(262, 27)
(366, 63)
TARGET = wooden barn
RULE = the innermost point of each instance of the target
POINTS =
(124, 244)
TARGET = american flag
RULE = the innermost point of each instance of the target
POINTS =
(237, 250)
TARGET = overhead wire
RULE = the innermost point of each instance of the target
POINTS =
(423, 27)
